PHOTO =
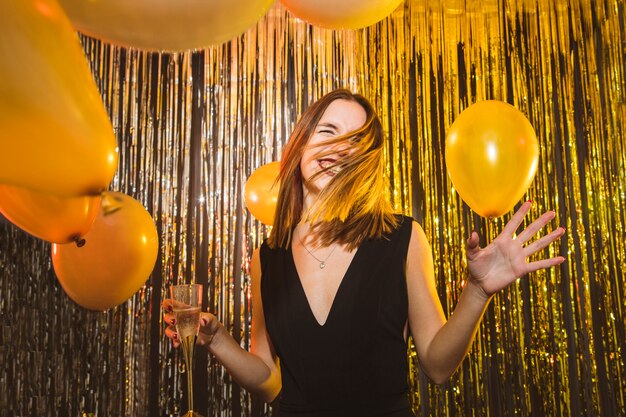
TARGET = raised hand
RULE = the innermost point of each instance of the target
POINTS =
(505, 259)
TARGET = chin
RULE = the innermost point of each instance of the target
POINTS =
(314, 187)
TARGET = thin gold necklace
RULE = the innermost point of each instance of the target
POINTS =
(321, 262)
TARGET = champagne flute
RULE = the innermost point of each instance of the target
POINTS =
(187, 300)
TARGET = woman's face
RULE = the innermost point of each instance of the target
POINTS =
(341, 117)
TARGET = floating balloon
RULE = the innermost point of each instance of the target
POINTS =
(115, 258)
(172, 25)
(49, 217)
(261, 192)
(343, 14)
(55, 135)
(491, 156)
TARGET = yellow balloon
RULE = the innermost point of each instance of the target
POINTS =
(171, 25)
(55, 135)
(261, 192)
(49, 217)
(342, 14)
(115, 259)
(491, 156)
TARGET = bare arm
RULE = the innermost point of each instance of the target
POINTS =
(441, 345)
(258, 370)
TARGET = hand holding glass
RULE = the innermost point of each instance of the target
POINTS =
(187, 302)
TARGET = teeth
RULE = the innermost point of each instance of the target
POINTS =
(325, 164)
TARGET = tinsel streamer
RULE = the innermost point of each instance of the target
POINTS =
(192, 126)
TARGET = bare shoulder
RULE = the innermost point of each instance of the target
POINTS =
(255, 265)
(418, 245)
(420, 268)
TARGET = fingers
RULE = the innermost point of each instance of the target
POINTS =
(517, 219)
(170, 332)
(205, 319)
(169, 319)
(472, 241)
(472, 245)
(208, 326)
(535, 226)
(543, 242)
(545, 263)
(208, 323)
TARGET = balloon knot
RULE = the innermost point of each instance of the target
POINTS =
(80, 242)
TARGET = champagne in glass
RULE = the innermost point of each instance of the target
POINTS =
(187, 300)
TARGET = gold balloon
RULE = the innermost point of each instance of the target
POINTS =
(55, 135)
(491, 156)
(171, 25)
(261, 192)
(342, 14)
(49, 217)
(114, 260)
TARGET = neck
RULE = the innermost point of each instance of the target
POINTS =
(302, 230)
(308, 202)
(309, 197)
(305, 236)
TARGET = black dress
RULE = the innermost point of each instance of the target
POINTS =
(356, 363)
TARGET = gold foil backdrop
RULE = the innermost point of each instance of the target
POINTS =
(192, 126)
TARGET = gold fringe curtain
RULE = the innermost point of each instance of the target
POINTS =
(193, 126)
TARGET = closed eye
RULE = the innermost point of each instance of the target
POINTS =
(327, 128)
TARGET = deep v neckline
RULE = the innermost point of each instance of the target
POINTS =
(342, 283)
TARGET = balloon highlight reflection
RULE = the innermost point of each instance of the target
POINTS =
(345, 14)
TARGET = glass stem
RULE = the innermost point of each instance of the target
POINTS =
(188, 349)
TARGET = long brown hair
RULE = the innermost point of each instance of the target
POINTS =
(354, 205)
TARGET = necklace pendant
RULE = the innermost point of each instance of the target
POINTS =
(322, 265)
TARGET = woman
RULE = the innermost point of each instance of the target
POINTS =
(341, 280)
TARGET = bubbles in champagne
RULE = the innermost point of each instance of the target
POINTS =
(187, 321)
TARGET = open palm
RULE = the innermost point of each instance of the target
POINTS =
(505, 259)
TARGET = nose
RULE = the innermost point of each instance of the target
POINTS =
(342, 150)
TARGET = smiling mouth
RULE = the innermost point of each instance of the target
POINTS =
(327, 164)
